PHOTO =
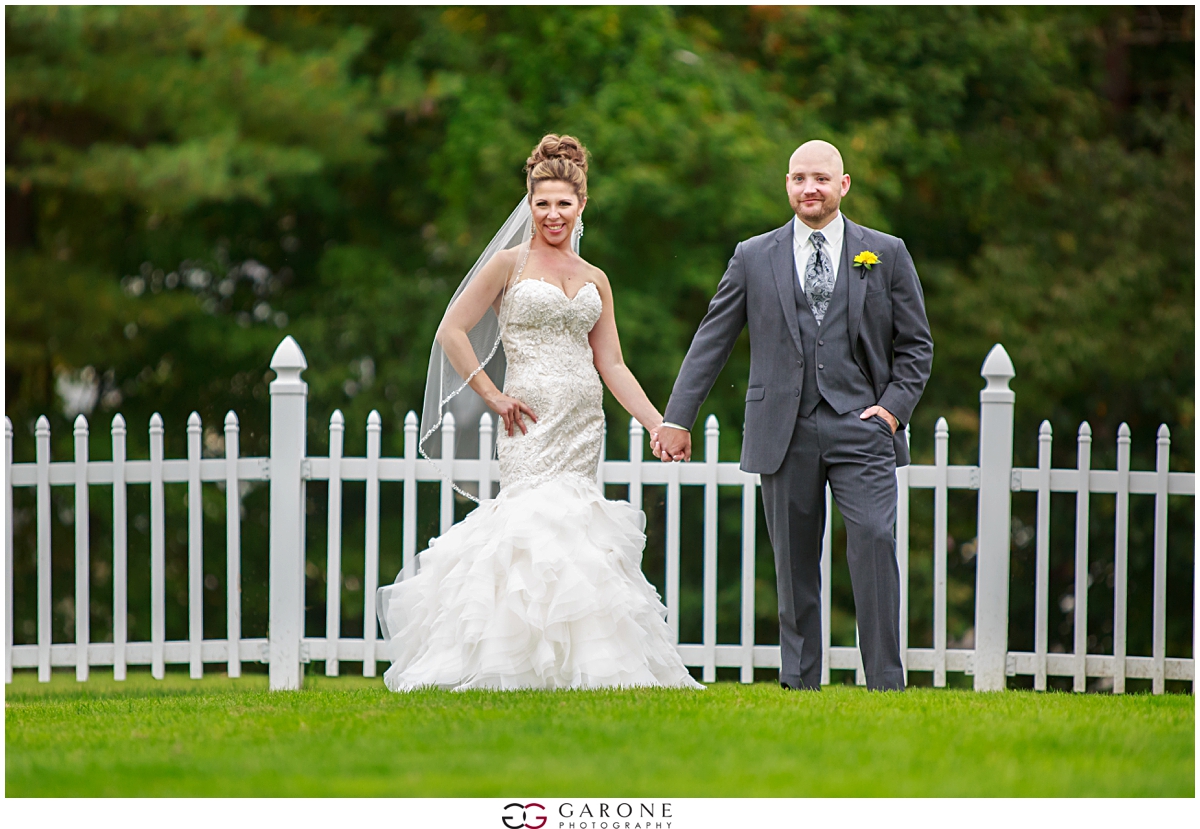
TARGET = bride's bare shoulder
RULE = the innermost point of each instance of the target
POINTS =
(505, 259)
(508, 255)
(594, 274)
(499, 266)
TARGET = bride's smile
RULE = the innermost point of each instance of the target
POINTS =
(556, 207)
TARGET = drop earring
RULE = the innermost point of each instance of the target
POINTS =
(578, 230)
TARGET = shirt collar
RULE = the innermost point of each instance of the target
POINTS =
(833, 232)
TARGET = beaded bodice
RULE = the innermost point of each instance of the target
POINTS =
(550, 368)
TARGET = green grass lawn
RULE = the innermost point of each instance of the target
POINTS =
(349, 736)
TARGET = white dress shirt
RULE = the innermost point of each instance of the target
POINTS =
(834, 232)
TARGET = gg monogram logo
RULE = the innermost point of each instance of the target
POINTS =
(526, 811)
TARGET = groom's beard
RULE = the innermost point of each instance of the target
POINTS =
(828, 208)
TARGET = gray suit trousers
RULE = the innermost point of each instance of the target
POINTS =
(858, 460)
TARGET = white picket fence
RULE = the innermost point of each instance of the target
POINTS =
(289, 467)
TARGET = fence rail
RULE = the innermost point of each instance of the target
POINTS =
(289, 468)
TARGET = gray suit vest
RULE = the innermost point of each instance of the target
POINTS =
(830, 370)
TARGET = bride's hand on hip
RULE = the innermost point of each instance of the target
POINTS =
(511, 410)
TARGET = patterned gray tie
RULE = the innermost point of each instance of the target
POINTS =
(818, 278)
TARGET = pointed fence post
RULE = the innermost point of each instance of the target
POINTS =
(409, 531)
(333, 544)
(1159, 642)
(120, 549)
(233, 549)
(371, 542)
(83, 562)
(995, 514)
(158, 553)
(44, 630)
(195, 551)
(289, 413)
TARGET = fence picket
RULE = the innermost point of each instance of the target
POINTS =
(158, 584)
(485, 456)
(1082, 503)
(860, 675)
(83, 603)
(8, 550)
(44, 632)
(1041, 603)
(371, 565)
(1162, 463)
(749, 529)
(409, 528)
(941, 443)
(447, 501)
(826, 565)
(1121, 560)
(333, 544)
(711, 445)
(120, 504)
(233, 548)
(195, 550)
(635, 463)
(902, 551)
(603, 455)
(673, 549)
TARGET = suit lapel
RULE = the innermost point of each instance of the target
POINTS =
(852, 239)
(783, 263)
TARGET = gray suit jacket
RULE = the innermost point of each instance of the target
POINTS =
(889, 335)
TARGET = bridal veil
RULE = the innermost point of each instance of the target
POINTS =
(447, 391)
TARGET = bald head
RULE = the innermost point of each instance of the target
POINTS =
(816, 182)
(818, 155)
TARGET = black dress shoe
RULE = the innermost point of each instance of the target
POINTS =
(800, 686)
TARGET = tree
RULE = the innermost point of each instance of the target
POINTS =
(186, 185)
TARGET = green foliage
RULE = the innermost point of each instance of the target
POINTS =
(349, 737)
(176, 106)
(1039, 166)
(185, 185)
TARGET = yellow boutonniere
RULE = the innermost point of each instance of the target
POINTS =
(866, 259)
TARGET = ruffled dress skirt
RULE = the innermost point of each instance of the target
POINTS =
(540, 587)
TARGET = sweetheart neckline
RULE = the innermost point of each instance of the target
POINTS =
(555, 287)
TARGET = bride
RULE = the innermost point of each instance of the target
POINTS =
(540, 587)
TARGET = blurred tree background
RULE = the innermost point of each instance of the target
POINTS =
(184, 186)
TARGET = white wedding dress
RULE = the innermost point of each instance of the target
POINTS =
(540, 587)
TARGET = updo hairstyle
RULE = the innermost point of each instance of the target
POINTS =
(558, 158)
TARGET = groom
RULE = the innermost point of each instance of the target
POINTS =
(840, 351)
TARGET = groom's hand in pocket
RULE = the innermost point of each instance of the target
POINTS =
(879, 411)
(674, 444)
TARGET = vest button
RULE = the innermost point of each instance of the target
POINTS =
(820, 365)
(820, 342)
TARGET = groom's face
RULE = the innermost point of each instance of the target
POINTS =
(815, 185)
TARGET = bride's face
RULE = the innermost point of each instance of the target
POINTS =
(555, 207)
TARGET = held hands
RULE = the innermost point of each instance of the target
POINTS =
(511, 410)
(884, 413)
(670, 444)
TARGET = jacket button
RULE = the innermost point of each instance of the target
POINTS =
(820, 365)
(820, 342)
(797, 392)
